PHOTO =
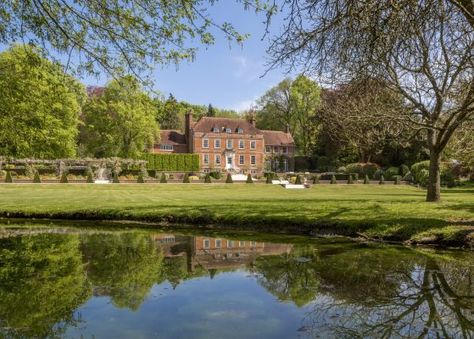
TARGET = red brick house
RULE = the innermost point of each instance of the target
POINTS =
(231, 145)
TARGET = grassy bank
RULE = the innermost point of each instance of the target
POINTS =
(386, 212)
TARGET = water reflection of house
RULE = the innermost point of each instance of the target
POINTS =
(216, 253)
(219, 253)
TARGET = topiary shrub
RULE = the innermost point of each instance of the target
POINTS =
(382, 180)
(249, 179)
(8, 178)
(366, 180)
(350, 181)
(163, 178)
(269, 178)
(207, 178)
(186, 178)
(391, 172)
(316, 179)
(216, 175)
(333, 180)
(229, 180)
(140, 179)
(36, 178)
(403, 170)
(115, 178)
(408, 177)
(397, 180)
(298, 180)
(90, 179)
(378, 174)
(420, 171)
(63, 179)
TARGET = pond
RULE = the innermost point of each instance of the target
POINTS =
(60, 280)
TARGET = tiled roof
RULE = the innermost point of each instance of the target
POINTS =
(172, 137)
(278, 138)
(206, 125)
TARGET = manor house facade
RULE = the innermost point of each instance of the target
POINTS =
(231, 145)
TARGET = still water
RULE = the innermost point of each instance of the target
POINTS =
(72, 282)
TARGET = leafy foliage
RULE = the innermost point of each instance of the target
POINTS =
(119, 121)
(229, 180)
(39, 106)
(249, 179)
(173, 162)
(163, 179)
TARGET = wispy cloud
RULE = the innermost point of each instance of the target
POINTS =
(244, 105)
(241, 65)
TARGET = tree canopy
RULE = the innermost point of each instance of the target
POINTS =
(292, 103)
(422, 49)
(39, 105)
(119, 120)
(120, 37)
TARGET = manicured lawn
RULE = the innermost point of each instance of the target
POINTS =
(388, 212)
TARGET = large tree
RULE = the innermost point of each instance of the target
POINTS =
(117, 36)
(292, 103)
(119, 120)
(39, 106)
(422, 49)
(365, 115)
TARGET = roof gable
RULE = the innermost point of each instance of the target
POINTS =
(208, 124)
(278, 138)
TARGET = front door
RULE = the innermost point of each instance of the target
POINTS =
(229, 162)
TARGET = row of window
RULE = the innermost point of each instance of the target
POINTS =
(227, 130)
(206, 243)
(229, 143)
(165, 147)
(276, 149)
(217, 159)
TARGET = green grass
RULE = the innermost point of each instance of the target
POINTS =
(388, 212)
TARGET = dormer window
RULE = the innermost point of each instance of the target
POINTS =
(240, 130)
(215, 129)
(228, 130)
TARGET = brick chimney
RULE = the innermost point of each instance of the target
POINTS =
(188, 122)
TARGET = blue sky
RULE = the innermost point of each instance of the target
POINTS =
(226, 76)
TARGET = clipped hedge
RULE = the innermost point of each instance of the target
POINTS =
(175, 162)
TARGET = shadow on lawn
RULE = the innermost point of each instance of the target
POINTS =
(468, 207)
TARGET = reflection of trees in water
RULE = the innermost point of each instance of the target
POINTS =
(409, 295)
(42, 282)
(123, 266)
(289, 277)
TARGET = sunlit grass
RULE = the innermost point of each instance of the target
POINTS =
(396, 212)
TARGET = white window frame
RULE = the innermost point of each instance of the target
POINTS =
(253, 144)
(218, 243)
(240, 131)
(206, 243)
(204, 141)
(241, 159)
(228, 130)
(216, 158)
(217, 141)
(268, 149)
(205, 159)
(166, 147)
(253, 160)
(229, 142)
(242, 243)
(230, 243)
(241, 144)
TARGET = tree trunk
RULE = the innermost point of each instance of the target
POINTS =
(434, 181)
